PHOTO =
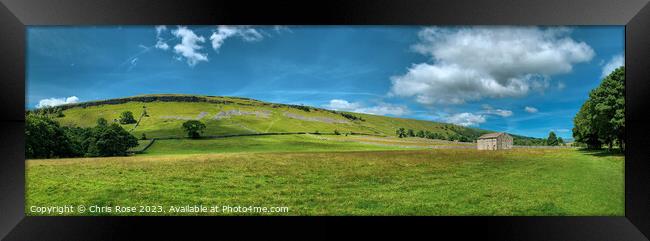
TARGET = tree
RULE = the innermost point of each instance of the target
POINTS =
(411, 133)
(194, 128)
(552, 139)
(110, 140)
(44, 138)
(336, 132)
(127, 118)
(143, 137)
(401, 132)
(583, 131)
(601, 118)
(420, 134)
(560, 141)
(609, 108)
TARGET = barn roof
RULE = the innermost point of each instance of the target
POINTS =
(491, 135)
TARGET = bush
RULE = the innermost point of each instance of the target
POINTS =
(336, 132)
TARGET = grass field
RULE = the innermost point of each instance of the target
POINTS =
(275, 143)
(377, 182)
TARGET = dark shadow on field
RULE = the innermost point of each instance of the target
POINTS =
(602, 152)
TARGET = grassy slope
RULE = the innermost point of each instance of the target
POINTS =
(156, 125)
(416, 182)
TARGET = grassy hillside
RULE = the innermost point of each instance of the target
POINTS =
(233, 115)
(409, 182)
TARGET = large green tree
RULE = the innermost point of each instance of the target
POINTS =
(109, 140)
(601, 119)
(609, 108)
(44, 138)
(194, 128)
(583, 131)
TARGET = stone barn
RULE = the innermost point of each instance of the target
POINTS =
(494, 141)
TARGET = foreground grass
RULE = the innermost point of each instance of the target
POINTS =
(411, 182)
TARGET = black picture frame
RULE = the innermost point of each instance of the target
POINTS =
(15, 15)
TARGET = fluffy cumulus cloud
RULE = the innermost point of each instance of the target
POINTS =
(56, 101)
(160, 42)
(190, 46)
(612, 64)
(468, 64)
(465, 119)
(222, 33)
(530, 109)
(380, 109)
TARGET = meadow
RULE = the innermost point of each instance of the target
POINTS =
(309, 181)
(366, 170)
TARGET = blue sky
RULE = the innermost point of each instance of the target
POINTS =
(522, 80)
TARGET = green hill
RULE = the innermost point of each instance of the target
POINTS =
(236, 116)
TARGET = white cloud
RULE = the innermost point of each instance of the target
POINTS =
(465, 119)
(56, 101)
(530, 109)
(189, 46)
(380, 109)
(222, 33)
(160, 42)
(500, 112)
(469, 64)
(613, 64)
(343, 105)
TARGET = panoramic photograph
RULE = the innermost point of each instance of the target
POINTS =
(205, 120)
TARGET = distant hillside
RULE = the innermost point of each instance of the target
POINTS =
(236, 115)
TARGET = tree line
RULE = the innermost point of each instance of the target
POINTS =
(552, 140)
(402, 132)
(46, 138)
(601, 119)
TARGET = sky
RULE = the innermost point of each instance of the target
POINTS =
(525, 80)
